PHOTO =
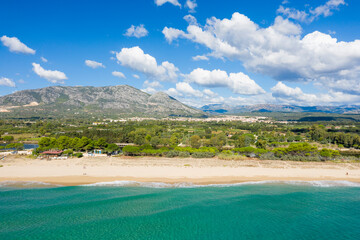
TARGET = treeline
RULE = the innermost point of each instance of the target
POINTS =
(318, 133)
(74, 144)
(294, 152)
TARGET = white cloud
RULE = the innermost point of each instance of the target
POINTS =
(293, 13)
(151, 87)
(44, 59)
(238, 83)
(186, 89)
(137, 31)
(188, 95)
(325, 9)
(278, 51)
(154, 84)
(52, 76)
(200, 57)
(172, 33)
(191, 20)
(136, 76)
(162, 2)
(303, 16)
(7, 82)
(280, 90)
(15, 45)
(118, 74)
(93, 64)
(288, 95)
(191, 5)
(136, 59)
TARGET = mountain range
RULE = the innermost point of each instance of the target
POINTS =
(227, 109)
(127, 101)
(122, 100)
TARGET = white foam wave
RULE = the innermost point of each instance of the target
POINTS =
(26, 184)
(191, 185)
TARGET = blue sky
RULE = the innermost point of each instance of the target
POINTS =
(200, 52)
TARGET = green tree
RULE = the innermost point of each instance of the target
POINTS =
(261, 144)
(112, 147)
(101, 143)
(174, 140)
(155, 141)
(8, 138)
(195, 141)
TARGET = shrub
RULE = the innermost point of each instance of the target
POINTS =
(172, 154)
(202, 155)
(224, 156)
(131, 151)
(79, 155)
(328, 153)
(153, 152)
(68, 152)
(268, 156)
(184, 154)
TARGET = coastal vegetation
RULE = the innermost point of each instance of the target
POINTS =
(299, 141)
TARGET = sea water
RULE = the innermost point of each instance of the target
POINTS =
(131, 210)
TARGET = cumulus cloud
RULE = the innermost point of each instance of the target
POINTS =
(93, 64)
(238, 83)
(185, 88)
(184, 92)
(200, 57)
(136, 31)
(118, 74)
(162, 2)
(7, 82)
(191, 19)
(151, 87)
(15, 45)
(172, 33)
(278, 51)
(191, 5)
(309, 16)
(289, 95)
(153, 84)
(50, 75)
(136, 59)
(136, 76)
(44, 59)
(280, 90)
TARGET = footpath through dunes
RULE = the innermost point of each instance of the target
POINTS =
(89, 170)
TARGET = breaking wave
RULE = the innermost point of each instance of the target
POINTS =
(27, 184)
(192, 185)
(36, 184)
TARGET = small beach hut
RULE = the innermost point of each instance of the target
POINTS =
(51, 154)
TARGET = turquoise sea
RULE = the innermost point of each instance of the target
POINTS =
(129, 210)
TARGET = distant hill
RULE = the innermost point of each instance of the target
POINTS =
(121, 100)
(227, 109)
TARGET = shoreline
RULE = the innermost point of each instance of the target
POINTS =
(90, 170)
(85, 180)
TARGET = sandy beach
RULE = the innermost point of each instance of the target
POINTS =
(87, 170)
